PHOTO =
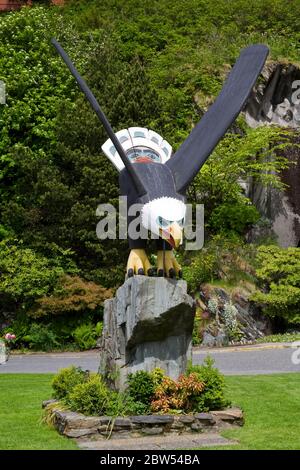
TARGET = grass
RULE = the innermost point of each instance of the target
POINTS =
(271, 407)
(280, 338)
(270, 403)
(21, 428)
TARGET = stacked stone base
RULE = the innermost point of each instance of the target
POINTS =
(76, 425)
(148, 324)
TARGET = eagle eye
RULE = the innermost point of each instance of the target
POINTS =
(163, 223)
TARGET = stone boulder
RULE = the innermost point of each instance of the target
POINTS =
(148, 324)
(251, 324)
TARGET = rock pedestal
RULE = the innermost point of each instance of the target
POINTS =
(148, 324)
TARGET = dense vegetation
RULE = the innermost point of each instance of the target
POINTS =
(152, 63)
(202, 388)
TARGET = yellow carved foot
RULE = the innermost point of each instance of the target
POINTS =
(167, 265)
(138, 263)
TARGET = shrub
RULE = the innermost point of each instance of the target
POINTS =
(71, 294)
(122, 404)
(212, 398)
(86, 335)
(201, 389)
(218, 185)
(25, 275)
(90, 397)
(57, 334)
(202, 269)
(225, 257)
(234, 217)
(279, 273)
(141, 387)
(41, 338)
(197, 333)
(66, 379)
(229, 315)
(157, 375)
(171, 395)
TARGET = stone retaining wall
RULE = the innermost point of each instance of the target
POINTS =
(76, 425)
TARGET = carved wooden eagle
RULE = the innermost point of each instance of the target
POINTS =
(151, 176)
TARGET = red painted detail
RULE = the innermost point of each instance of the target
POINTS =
(142, 160)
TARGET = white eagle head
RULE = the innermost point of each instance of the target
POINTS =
(165, 217)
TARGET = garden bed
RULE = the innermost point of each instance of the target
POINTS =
(75, 425)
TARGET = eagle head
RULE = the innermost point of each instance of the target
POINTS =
(165, 217)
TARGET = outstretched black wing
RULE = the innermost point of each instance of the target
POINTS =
(194, 151)
(141, 190)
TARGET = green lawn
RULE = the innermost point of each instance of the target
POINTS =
(272, 411)
(21, 396)
(271, 405)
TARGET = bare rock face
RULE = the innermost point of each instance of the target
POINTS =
(147, 324)
(276, 100)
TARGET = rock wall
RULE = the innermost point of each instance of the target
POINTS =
(230, 317)
(275, 100)
(76, 425)
(147, 324)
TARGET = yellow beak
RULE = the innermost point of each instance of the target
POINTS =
(172, 234)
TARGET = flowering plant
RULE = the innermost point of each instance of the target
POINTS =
(5, 343)
(9, 338)
(177, 395)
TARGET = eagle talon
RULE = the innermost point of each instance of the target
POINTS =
(130, 272)
(138, 263)
(167, 261)
(172, 273)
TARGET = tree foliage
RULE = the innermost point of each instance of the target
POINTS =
(36, 82)
(26, 276)
(54, 172)
(256, 154)
(153, 63)
(279, 272)
(71, 294)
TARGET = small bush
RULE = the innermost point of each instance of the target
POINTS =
(225, 257)
(213, 396)
(234, 217)
(99, 329)
(180, 396)
(203, 268)
(64, 382)
(141, 387)
(280, 337)
(201, 389)
(41, 338)
(278, 274)
(86, 335)
(122, 404)
(90, 397)
(71, 294)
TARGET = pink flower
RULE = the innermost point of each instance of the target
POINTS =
(205, 315)
(10, 337)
